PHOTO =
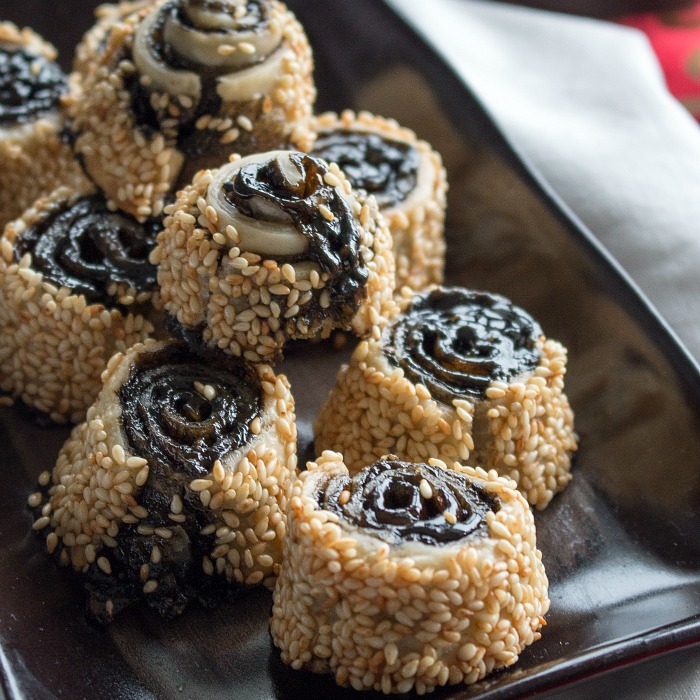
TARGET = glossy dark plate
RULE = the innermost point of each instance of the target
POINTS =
(620, 545)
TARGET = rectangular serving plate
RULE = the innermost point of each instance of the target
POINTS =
(620, 544)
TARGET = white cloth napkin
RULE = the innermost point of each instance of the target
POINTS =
(585, 102)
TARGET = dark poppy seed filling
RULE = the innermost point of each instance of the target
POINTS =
(182, 413)
(382, 167)
(196, 22)
(30, 86)
(264, 191)
(207, 17)
(457, 342)
(89, 249)
(404, 502)
(201, 15)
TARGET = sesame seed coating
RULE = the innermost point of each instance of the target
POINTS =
(106, 16)
(53, 344)
(248, 304)
(35, 160)
(396, 618)
(522, 429)
(136, 166)
(221, 528)
(417, 223)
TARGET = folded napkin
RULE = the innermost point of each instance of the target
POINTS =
(585, 102)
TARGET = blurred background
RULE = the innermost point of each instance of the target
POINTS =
(673, 27)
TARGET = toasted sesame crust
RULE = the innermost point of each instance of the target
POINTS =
(416, 224)
(247, 305)
(53, 344)
(93, 491)
(412, 616)
(34, 159)
(523, 430)
(11, 34)
(137, 167)
(106, 16)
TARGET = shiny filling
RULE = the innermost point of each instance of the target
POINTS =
(30, 86)
(293, 189)
(89, 249)
(457, 342)
(401, 502)
(181, 412)
(383, 167)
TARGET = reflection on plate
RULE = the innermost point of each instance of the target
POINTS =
(620, 545)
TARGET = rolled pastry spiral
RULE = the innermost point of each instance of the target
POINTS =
(271, 247)
(32, 86)
(406, 177)
(407, 576)
(175, 488)
(460, 375)
(76, 286)
(171, 87)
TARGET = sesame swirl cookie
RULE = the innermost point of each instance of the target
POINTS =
(176, 486)
(34, 158)
(76, 286)
(272, 247)
(407, 576)
(459, 375)
(406, 177)
(166, 88)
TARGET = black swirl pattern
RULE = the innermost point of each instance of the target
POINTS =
(88, 248)
(198, 18)
(457, 342)
(380, 166)
(390, 499)
(30, 86)
(334, 244)
(187, 14)
(252, 15)
(172, 418)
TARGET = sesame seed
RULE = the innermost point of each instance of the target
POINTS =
(209, 392)
(176, 504)
(289, 273)
(246, 47)
(326, 213)
(244, 122)
(41, 523)
(201, 484)
(142, 476)
(104, 564)
(118, 454)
